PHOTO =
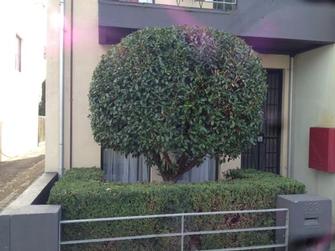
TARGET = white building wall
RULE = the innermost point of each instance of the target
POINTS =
(20, 92)
(313, 106)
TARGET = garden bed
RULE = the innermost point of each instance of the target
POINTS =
(84, 194)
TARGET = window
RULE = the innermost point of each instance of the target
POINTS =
(119, 168)
(146, 1)
(223, 5)
(18, 54)
(207, 171)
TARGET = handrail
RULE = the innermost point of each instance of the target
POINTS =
(183, 232)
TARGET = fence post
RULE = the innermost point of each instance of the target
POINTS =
(31, 228)
(4, 232)
(287, 223)
(309, 218)
(182, 233)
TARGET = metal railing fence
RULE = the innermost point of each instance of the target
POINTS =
(183, 232)
(222, 5)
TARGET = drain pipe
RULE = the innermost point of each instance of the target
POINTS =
(61, 86)
(290, 111)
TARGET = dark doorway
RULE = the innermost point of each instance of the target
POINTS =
(265, 155)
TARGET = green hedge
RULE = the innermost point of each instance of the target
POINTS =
(83, 194)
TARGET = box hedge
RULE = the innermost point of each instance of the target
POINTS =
(83, 194)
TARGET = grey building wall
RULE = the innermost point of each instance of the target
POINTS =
(285, 25)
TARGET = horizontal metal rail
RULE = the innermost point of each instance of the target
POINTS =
(200, 2)
(218, 1)
(183, 232)
(150, 236)
(249, 248)
(125, 238)
(235, 230)
(140, 217)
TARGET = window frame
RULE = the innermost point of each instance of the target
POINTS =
(18, 53)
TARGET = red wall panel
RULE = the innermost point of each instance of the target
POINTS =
(322, 149)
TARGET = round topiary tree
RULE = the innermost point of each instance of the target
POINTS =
(176, 95)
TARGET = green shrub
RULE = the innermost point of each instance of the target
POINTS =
(177, 94)
(83, 194)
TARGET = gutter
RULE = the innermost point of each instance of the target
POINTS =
(61, 86)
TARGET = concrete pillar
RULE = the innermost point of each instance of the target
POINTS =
(309, 221)
(31, 228)
(4, 232)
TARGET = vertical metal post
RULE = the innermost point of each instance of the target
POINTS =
(59, 235)
(290, 122)
(182, 233)
(61, 86)
(287, 230)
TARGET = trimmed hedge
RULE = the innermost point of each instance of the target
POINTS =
(83, 194)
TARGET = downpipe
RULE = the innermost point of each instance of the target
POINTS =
(61, 86)
(290, 111)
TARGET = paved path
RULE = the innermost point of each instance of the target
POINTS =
(17, 174)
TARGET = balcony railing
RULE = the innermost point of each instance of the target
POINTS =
(221, 5)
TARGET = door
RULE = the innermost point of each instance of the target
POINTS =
(265, 155)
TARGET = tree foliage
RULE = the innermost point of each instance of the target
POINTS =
(177, 94)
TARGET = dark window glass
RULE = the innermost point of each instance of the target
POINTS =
(222, 5)
(119, 168)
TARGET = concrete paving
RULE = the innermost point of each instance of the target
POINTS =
(18, 173)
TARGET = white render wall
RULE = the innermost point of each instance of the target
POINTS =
(20, 92)
(313, 105)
